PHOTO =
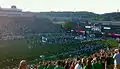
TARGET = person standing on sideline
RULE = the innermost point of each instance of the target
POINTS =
(23, 65)
(116, 58)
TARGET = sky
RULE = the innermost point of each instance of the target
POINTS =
(96, 6)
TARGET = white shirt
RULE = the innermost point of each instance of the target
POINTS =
(77, 66)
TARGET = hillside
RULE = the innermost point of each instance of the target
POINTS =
(82, 14)
(25, 25)
(114, 16)
(42, 22)
(85, 15)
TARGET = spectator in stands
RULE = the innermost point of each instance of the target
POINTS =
(50, 66)
(66, 66)
(109, 61)
(23, 65)
(96, 63)
(78, 66)
(117, 59)
(103, 60)
(59, 65)
(72, 65)
(41, 65)
(83, 61)
(88, 63)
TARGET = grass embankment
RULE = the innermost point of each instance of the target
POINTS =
(18, 49)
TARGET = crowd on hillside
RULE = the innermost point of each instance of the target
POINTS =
(82, 50)
(105, 59)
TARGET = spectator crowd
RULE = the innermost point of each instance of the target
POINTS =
(104, 59)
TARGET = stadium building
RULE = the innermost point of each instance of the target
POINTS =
(14, 12)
